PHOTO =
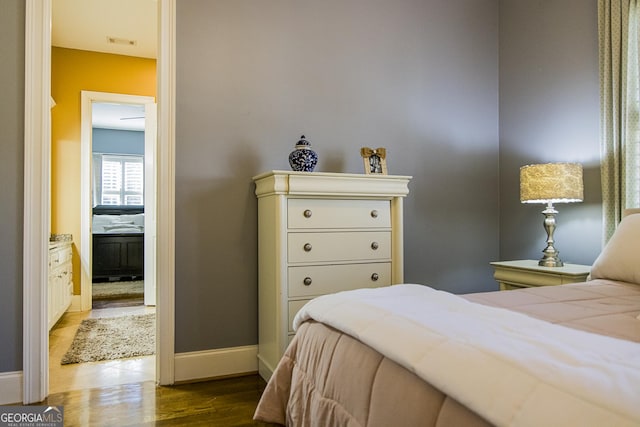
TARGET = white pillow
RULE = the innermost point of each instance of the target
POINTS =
(620, 258)
(124, 228)
(137, 219)
(122, 223)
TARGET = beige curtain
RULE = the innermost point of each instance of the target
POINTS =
(618, 22)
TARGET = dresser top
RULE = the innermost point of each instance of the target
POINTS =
(330, 184)
(60, 237)
(328, 174)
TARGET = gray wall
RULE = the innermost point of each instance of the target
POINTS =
(417, 77)
(11, 177)
(115, 141)
(549, 112)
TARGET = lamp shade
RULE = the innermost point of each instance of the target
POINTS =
(551, 183)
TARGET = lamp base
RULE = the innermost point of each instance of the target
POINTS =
(550, 262)
(550, 258)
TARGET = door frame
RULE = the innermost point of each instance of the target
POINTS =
(37, 168)
(87, 98)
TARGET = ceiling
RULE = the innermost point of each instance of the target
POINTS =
(121, 27)
(107, 115)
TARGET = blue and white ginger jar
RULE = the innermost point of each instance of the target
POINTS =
(303, 158)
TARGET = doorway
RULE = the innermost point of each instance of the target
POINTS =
(121, 220)
(133, 136)
(36, 199)
(119, 106)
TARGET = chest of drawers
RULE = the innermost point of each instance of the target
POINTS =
(320, 233)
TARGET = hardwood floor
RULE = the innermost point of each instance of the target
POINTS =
(226, 402)
(123, 393)
(117, 303)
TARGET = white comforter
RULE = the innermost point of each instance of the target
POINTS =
(509, 368)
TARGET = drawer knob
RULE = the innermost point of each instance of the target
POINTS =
(307, 247)
(375, 277)
(307, 281)
(374, 245)
(374, 214)
(307, 213)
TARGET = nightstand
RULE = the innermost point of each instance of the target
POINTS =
(527, 273)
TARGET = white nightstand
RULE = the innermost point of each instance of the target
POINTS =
(527, 273)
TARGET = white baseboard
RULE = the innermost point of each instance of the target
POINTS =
(10, 388)
(76, 303)
(200, 365)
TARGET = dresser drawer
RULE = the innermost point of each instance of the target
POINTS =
(294, 307)
(54, 258)
(329, 213)
(346, 246)
(59, 255)
(328, 279)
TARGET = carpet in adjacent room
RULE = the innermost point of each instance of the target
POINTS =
(117, 294)
(118, 289)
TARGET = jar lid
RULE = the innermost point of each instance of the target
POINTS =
(303, 141)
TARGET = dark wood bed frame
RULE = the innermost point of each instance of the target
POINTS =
(118, 256)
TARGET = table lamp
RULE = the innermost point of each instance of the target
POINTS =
(551, 183)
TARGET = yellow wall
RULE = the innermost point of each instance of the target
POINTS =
(73, 71)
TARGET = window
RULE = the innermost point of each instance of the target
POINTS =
(121, 179)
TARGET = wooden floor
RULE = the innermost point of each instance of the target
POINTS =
(122, 392)
(227, 402)
(116, 303)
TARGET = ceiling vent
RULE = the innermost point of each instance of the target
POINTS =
(120, 41)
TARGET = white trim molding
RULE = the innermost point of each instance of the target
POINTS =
(76, 304)
(37, 161)
(10, 387)
(87, 99)
(35, 374)
(208, 364)
(165, 200)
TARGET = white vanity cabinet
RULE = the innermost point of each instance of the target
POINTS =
(320, 233)
(60, 284)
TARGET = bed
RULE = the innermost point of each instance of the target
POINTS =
(118, 243)
(410, 355)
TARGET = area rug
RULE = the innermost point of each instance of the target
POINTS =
(110, 338)
(118, 290)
